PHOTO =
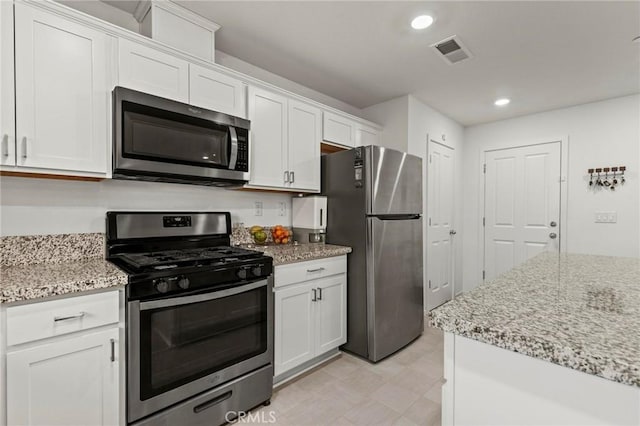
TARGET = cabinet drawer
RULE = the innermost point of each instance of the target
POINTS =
(40, 320)
(310, 270)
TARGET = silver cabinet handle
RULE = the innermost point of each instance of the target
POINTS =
(553, 235)
(286, 176)
(78, 315)
(315, 270)
(293, 176)
(319, 293)
(24, 147)
(5, 145)
(113, 349)
(315, 295)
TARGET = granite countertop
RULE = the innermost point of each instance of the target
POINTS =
(290, 253)
(578, 311)
(34, 281)
(38, 266)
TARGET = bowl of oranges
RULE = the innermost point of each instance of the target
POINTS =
(281, 235)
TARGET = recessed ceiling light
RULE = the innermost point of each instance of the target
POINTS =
(502, 102)
(421, 22)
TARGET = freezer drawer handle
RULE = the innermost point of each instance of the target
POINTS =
(215, 401)
(315, 270)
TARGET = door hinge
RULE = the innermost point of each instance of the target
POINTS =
(484, 168)
(484, 221)
(429, 221)
(483, 274)
(429, 283)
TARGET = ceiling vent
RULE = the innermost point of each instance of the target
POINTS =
(452, 50)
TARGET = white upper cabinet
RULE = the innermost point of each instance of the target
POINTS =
(151, 71)
(305, 135)
(338, 129)
(62, 93)
(7, 106)
(367, 135)
(215, 91)
(268, 138)
(285, 142)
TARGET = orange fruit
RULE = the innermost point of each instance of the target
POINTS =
(277, 240)
(285, 240)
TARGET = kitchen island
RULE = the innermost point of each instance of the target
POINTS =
(553, 341)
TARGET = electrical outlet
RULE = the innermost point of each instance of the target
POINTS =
(606, 217)
(282, 208)
(258, 208)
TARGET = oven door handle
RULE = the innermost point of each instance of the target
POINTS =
(212, 295)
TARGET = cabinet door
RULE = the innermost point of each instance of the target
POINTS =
(151, 71)
(62, 93)
(7, 106)
(331, 313)
(268, 146)
(338, 129)
(212, 90)
(305, 135)
(294, 327)
(366, 135)
(68, 382)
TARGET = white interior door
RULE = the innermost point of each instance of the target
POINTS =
(522, 205)
(440, 207)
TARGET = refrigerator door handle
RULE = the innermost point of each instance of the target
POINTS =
(396, 216)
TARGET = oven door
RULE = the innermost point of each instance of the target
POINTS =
(181, 346)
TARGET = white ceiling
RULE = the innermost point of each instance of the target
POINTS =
(541, 54)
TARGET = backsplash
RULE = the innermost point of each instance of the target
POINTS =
(30, 249)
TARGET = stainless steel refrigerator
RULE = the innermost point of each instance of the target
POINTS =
(375, 206)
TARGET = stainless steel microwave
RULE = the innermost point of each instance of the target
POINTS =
(163, 140)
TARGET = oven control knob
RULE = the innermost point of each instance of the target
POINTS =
(242, 274)
(162, 286)
(256, 271)
(183, 283)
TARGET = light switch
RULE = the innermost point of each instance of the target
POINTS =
(606, 217)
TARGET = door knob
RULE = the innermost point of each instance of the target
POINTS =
(452, 232)
(553, 235)
(553, 224)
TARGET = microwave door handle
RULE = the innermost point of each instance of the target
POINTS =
(185, 300)
(234, 148)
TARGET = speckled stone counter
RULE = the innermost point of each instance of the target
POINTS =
(27, 282)
(578, 311)
(35, 267)
(290, 253)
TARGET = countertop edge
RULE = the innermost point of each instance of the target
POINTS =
(597, 365)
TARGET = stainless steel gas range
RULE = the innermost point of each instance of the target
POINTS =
(199, 318)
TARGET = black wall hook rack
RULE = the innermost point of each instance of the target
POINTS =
(606, 177)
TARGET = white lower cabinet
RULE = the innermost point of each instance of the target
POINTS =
(310, 315)
(70, 375)
(71, 381)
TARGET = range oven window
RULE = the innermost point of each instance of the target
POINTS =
(158, 135)
(182, 343)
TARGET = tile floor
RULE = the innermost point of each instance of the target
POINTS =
(404, 389)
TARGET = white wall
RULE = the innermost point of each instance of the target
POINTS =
(46, 206)
(423, 121)
(394, 116)
(600, 134)
(104, 11)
